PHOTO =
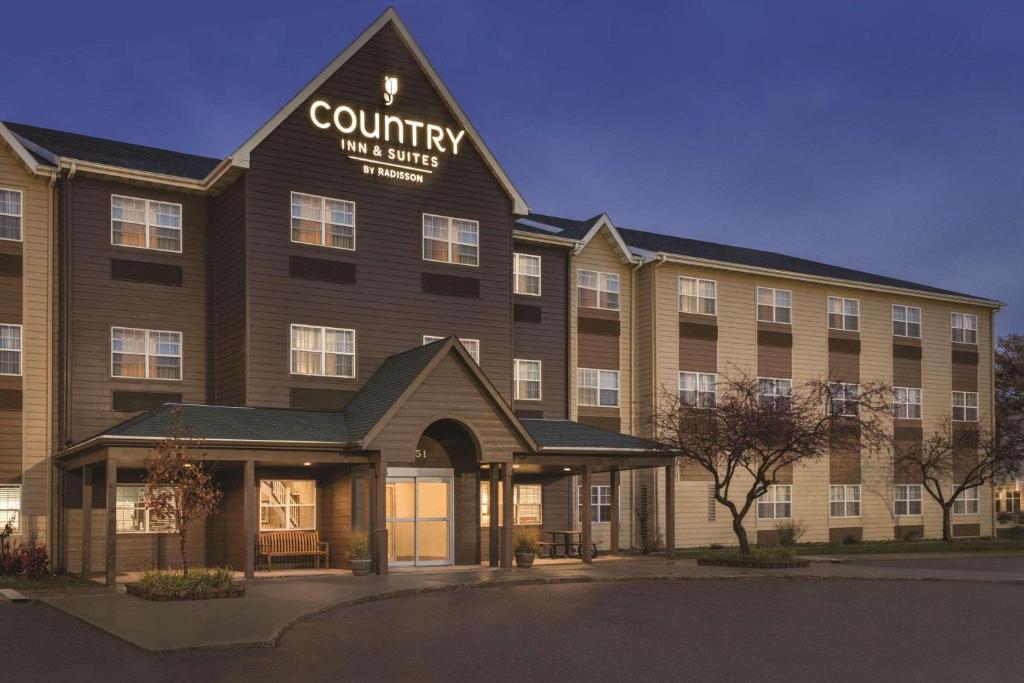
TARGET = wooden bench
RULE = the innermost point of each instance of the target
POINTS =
(271, 544)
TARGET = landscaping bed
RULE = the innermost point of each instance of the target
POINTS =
(760, 557)
(198, 584)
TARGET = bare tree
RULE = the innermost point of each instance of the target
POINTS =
(959, 456)
(760, 428)
(179, 487)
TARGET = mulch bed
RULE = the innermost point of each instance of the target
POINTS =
(753, 564)
(140, 592)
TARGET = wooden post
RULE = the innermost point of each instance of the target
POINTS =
(371, 514)
(613, 527)
(506, 515)
(380, 517)
(670, 512)
(586, 516)
(249, 517)
(86, 522)
(111, 522)
(494, 531)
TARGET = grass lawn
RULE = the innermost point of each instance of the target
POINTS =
(882, 547)
(48, 583)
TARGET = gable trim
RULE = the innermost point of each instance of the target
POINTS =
(242, 156)
(20, 148)
(604, 222)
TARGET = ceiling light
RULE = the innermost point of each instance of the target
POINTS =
(307, 464)
(567, 469)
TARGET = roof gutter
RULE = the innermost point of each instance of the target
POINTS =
(122, 440)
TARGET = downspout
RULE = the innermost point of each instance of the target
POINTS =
(634, 393)
(52, 486)
(992, 399)
(67, 298)
(654, 374)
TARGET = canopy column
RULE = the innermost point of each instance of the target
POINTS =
(613, 523)
(506, 515)
(111, 522)
(380, 523)
(86, 522)
(670, 511)
(249, 515)
(494, 530)
(586, 516)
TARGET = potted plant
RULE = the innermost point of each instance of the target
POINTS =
(526, 547)
(360, 555)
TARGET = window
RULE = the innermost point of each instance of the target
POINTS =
(906, 403)
(134, 516)
(774, 305)
(1012, 503)
(600, 502)
(697, 389)
(10, 505)
(451, 240)
(597, 290)
(527, 500)
(10, 215)
(598, 387)
(697, 295)
(965, 328)
(145, 224)
(965, 406)
(145, 354)
(843, 314)
(908, 500)
(844, 501)
(323, 221)
(775, 391)
(967, 502)
(843, 398)
(10, 349)
(527, 376)
(323, 351)
(526, 272)
(776, 503)
(287, 504)
(472, 345)
(906, 321)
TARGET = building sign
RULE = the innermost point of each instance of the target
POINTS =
(388, 145)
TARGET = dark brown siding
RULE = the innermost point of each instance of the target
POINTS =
(840, 534)
(10, 446)
(10, 386)
(774, 351)
(698, 343)
(906, 363)
(908, 435)
(227, 246)
(844, 360)
(965, 368)
(386, 306)
(546, 339)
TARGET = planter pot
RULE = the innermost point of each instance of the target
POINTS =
(525, 560)
(361, 566)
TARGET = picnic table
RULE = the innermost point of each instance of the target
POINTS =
(568, 539)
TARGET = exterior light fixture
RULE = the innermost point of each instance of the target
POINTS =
(567, 469)
(307, 464)
(515, 467)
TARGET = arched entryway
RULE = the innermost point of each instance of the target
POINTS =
(430, 507)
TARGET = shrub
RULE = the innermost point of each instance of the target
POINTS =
(360, 545)
(31, 560)
(197, 583)
(526, 541)
(910, 535)
(758, 553)
(1004, 517)
(850, 540)
(790, 532)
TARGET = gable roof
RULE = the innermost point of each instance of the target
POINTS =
(241, 156)
(562, 435)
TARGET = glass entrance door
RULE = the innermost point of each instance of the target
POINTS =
(419, 517)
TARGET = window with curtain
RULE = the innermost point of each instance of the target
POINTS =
(697, 295)
(323, 351)
(965, 406)
(10, 215)
(145, 223)
(145, 354)
(527, 500)
(597, 290)
(774, 305)
(527, 380)
(967, 502)
(323, 221)
(10, 349)
(906, 321)
(907, 500)
(843, 398)
(526, 274)
(906, 403)
(597, 387)
(965, 328)
(697, 389)
(843, 314)
(844, 501)
(134, 516)
(776, 503)
(10, 505)
(451, 240)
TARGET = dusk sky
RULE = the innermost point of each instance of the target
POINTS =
(882, 136)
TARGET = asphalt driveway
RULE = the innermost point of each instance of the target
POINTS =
(981, 562)
(774, 630)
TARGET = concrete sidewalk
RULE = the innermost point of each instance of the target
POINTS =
(271, 606)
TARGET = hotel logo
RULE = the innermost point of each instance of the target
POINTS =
(390, 90)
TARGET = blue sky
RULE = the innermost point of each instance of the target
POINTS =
(885, 136)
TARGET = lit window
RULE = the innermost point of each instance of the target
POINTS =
(697, 296)
(598, 387)
(472, 345)
(145, 223)
(527, 380)
(526, 272)
(323, 351)
(1011, 504)
(967, 502)
(906, 403)
(527, 504)
(775, 392)
(597, 290)
(10, 506)
(10, 215)
(600, 502)
(908, 500)
(965, 406)
(774, 305)
(776, 503)
(323, 221)
(145, 354)
(843, 398)
(906, 321)
(287, 504)
(844, 501)
(134, 516)
(697, 389)
(843, 314)
(965, 328)
(451, 240)
(10, 349)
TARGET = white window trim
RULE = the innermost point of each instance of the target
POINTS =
(774, 306)
(466, 342)
(845, 387)
(774, 490)
(21, 352)
(963, 499)
(516, 517)
(953, 328)
(148, 526)
(788, 395)
(598, 290)
(181, 229)
(600, 489)
(965, 407)
(516, 273)
(618, 390)
(919, 323)
(516, 379)
(323, 352)
(697, 391)
(920, 392)
(846, 502)
(147, 355)
(698, 281)
(896, 500)
(842, 300)
(450, 240)
(4, 518)
(19, 216)
(286, 506)
(323, 221)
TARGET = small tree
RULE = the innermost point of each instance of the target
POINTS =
(1010, 375)
(952, 460)
(760, 430)
(180, 488)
